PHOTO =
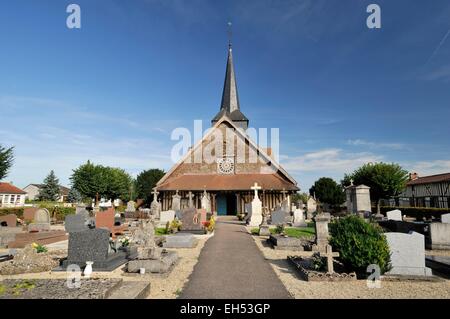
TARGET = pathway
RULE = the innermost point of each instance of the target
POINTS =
(231, 266)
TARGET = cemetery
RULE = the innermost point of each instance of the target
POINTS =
(223, 228)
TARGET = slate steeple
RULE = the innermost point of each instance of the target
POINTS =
(230, 98)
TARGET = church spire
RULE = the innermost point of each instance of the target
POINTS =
(230, 98)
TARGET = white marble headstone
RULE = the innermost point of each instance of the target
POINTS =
(394, 215)
(445, 218)
(407, 254)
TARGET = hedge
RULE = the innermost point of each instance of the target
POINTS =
(58, 212)
(13, 210)
(416, 212)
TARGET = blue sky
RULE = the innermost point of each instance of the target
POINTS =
(112, 92)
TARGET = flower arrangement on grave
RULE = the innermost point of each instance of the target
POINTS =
(39, 248)
(173, 226)
(211, 224)
(317, 262)
(125, 241)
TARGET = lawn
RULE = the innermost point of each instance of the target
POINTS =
(160, 231)
(297, 232)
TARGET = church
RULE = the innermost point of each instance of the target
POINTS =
(236, 165)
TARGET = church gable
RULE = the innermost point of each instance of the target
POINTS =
(225, 150)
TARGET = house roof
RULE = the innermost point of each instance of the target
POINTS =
(7, 188)
(237, 182)
(430, 179)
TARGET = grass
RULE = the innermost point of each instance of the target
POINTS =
(2, 289)
(160, 231)
(296, 232)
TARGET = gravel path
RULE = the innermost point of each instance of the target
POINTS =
(232, 267)
(354, 290)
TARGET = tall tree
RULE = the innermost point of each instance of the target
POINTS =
(385, 180)
(145, 181)
(118, 184)
(50, 188)
(328, 191)
(6, 160)
(89, 180)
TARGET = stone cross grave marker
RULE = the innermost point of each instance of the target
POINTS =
(191, 202)
(256, 208)
(329, 254)
(176, 201)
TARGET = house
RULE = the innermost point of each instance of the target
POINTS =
(223, 177)
(32, 191)
(11, 196)
(426, 191)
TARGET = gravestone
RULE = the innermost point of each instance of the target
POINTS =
(407, 254)
(75, 223)
(166, 217)
(440, 236)
(131, 207)
(155, 206)
(311, 208)
(358, 199)
(150, 257)
(191, 221)
(279, 217)
(255, 213)
(202, 214)
(28, 213)
(321, 226)
(41, 221)
(176, 202)
(206, 202)
(264, 229)
(299, 218)
(445, 218)
(182, 240)
(394, 215)
(9, 220)
(280, 242)
(81, 209)
(93, 245)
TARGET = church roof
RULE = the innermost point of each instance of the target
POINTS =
(273, 164)
(236, 182)
(230, 98)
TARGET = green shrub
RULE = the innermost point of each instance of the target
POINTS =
(359, 244)
(14, 210)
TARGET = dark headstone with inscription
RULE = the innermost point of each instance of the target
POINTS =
(191, 221)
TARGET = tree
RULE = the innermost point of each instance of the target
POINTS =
(50, 189)
(108, 182)
(385, 180)
(88, 180)
(328, 191)
(303, 197)
(74, 196)
(146, 181)
(118, 184)
(6, 160)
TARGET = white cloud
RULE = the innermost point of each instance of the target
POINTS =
(360, 142)
(334, 161)
(424, 168)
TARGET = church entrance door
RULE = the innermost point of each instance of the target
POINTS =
(226, 204)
